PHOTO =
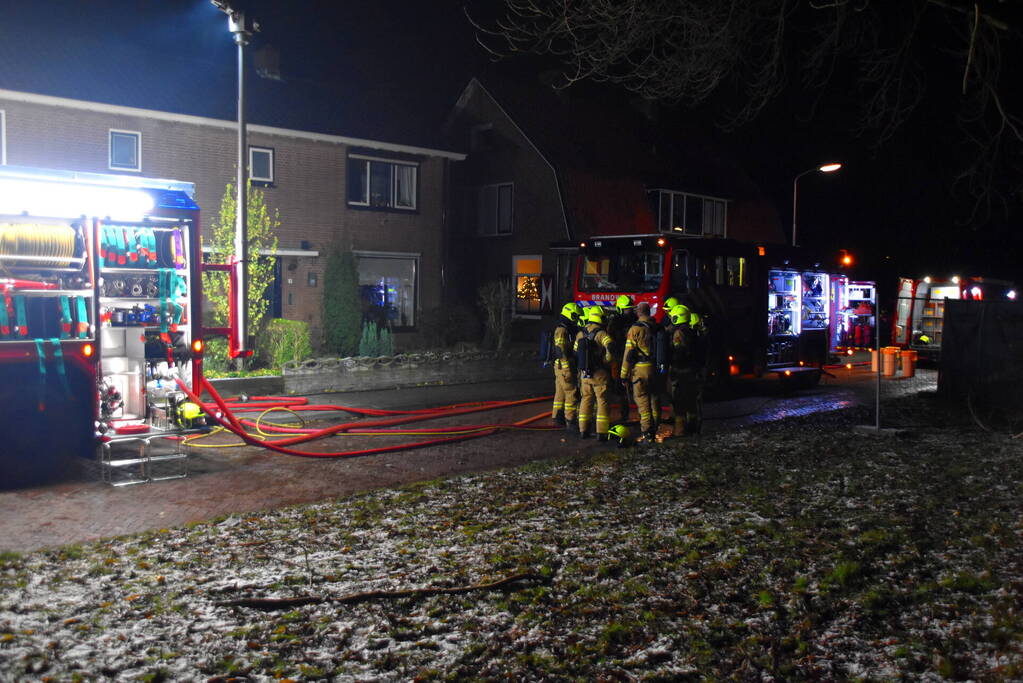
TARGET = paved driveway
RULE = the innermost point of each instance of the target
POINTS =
(240, 480)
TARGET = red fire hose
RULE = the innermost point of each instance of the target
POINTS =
(223, 413)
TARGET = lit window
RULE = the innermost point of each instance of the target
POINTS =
(495, 209)
(125, 150)
(382, 184)
(387, 286)
(311, 279)
(528, 284)
(261, 164)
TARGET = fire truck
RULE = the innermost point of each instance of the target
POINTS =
(920, 308)
(101, 315)
(770, 308)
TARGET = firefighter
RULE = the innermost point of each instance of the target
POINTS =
(639, 373)
(618, 324)
(669, 303)
(566, 382)
(686, 368)
(593, 349)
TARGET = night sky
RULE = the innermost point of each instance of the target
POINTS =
(391, 65)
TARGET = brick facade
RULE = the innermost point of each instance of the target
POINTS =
(499, 153)
(309, 189)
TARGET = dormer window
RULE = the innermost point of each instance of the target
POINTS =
(682, 213)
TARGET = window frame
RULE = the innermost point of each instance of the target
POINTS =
(515, 285)
(709, 206)
(367, 161)
(272, 153)
(416, 259)
(496, 187)
(138, 150)
(3, 137)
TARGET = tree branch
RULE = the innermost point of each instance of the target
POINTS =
(270, 604)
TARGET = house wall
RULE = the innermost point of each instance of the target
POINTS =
(538, 217)
(308, 191)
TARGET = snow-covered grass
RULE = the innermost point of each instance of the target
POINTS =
(800, 550)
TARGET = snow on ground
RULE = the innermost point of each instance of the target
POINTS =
(801, 550)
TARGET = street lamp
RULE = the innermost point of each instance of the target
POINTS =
(824, 168)
(242, 28)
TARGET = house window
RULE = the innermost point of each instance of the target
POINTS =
(261, 165)
(311, 279)
(125, 150)
(495, 209)
(382, 184)
(3, 137)
(387, 287)
(527, 283)
(689, 214)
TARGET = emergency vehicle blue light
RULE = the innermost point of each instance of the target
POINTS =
(174, 199)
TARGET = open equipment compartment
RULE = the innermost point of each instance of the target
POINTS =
(100, 316)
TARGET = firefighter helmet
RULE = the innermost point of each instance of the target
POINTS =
(594, 315)
(571, 311)
(620, 432)
(671, 302)
(679, 315)
(694, 319)
(623, 302)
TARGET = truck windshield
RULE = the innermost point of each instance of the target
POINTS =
(624, 271)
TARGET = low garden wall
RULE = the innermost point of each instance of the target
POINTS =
(320, 375)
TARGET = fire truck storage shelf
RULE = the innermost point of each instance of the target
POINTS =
(99, 309)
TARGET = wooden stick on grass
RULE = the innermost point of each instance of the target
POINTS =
(269, 604)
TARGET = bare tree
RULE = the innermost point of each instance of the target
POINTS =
(685, 51)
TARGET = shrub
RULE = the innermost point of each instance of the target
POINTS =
(342, 310)
(214, 356)
(263, 224)
(375, 341)
(287, 340)
(495, 299)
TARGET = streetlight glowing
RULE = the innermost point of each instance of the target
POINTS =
(830, 167)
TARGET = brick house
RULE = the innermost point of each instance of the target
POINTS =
(545, 167)
(386, 201)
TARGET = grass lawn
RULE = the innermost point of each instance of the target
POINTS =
(798, 550)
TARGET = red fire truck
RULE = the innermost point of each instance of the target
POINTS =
(772, 308)
(920, 307)
(101, 313)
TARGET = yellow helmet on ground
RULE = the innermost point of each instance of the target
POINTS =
(679, 315)
(571, 311)
(623, 302)
(620, 432)
(594, 315)
(190, 411)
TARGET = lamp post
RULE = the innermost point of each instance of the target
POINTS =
(242, 28)
(824, 168)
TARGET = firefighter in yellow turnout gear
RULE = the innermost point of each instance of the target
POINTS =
(688, 371)
(638, 371)
(594, 373)
(566, 384)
